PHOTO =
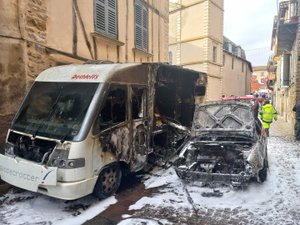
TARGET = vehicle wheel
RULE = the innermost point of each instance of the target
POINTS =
(262, 174)
(108, 181)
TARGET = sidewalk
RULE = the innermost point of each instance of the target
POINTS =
(281, 128)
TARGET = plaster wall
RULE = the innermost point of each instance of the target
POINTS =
(236, 80)
(80, 26)
(9, 22)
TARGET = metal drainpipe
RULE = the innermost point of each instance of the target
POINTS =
(126, 38)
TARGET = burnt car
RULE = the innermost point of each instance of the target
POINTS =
(254, 101)
(227, 145)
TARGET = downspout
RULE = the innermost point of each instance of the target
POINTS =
(152, 27)
(74, 27)
(126, 38)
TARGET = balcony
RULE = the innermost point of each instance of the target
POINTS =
(287, 25)
(272, 65)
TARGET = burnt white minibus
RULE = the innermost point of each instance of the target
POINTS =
(81, 127)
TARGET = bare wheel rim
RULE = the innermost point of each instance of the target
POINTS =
(110, 179)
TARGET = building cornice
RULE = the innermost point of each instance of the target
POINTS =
(193, 4)
(197, 38)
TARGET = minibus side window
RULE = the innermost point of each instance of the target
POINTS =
(114, 107)
(138, 94)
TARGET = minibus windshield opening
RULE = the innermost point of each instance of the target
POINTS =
(55, 110)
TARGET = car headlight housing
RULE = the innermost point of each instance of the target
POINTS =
(60, 158)
(9, 148)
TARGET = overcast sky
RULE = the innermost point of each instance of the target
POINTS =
(249, 23)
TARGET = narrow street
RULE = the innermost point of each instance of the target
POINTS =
(160, 197)
(95, 90)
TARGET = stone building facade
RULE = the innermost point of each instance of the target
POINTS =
(237, 71)
(285, 60)
(37, 34)
(196, 41)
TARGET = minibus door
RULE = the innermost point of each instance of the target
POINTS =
(140, 127)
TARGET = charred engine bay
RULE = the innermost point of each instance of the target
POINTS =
(36, 150)
(213, 157)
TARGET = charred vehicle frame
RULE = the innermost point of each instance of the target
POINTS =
(81, 127)
(227, 145)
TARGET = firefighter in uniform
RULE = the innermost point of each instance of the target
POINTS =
(267, 114)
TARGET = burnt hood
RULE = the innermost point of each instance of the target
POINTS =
(233, 118)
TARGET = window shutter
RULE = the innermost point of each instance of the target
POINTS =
(141, 26)
(145, 29)
(138, 26)
(100, 16)
(106, 17)
(112, 18)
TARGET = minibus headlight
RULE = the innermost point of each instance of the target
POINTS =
(62, 163)
(9, 149)
(68, 163)
(53, 162)
(59, 159)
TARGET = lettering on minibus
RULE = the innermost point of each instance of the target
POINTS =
(85, 77)
(19, 174)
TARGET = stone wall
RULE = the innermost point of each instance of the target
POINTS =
(35, 30)
(297, 88)
(23, 54)
(12, 73)
(12, 82)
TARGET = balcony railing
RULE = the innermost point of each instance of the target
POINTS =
(288, 12)
(287, 25)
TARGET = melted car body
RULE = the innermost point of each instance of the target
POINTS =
(227, 145)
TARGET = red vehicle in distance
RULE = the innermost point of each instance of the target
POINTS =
(246, 98)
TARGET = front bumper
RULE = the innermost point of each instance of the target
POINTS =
(236, 180)
(70, 190)
(39, 178)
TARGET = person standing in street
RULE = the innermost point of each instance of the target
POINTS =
(296, 109)
(267, 114)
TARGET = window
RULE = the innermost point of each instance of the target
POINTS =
(138, 102)
(232, 63)
(242, 67)
(106, 17)
(55, 110)
(141, 26)
(170, 57)
(239, 51)
(230, 47)
(214, 54)
(114, 108)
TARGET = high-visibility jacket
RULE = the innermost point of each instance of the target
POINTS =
(267, 114)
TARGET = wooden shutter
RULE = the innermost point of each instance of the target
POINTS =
(141, 26)
(100, 16)
(112, 18)
(138, 26)
(145, 29)
(106, 17)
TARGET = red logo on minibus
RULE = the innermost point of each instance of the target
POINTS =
(85, 77)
